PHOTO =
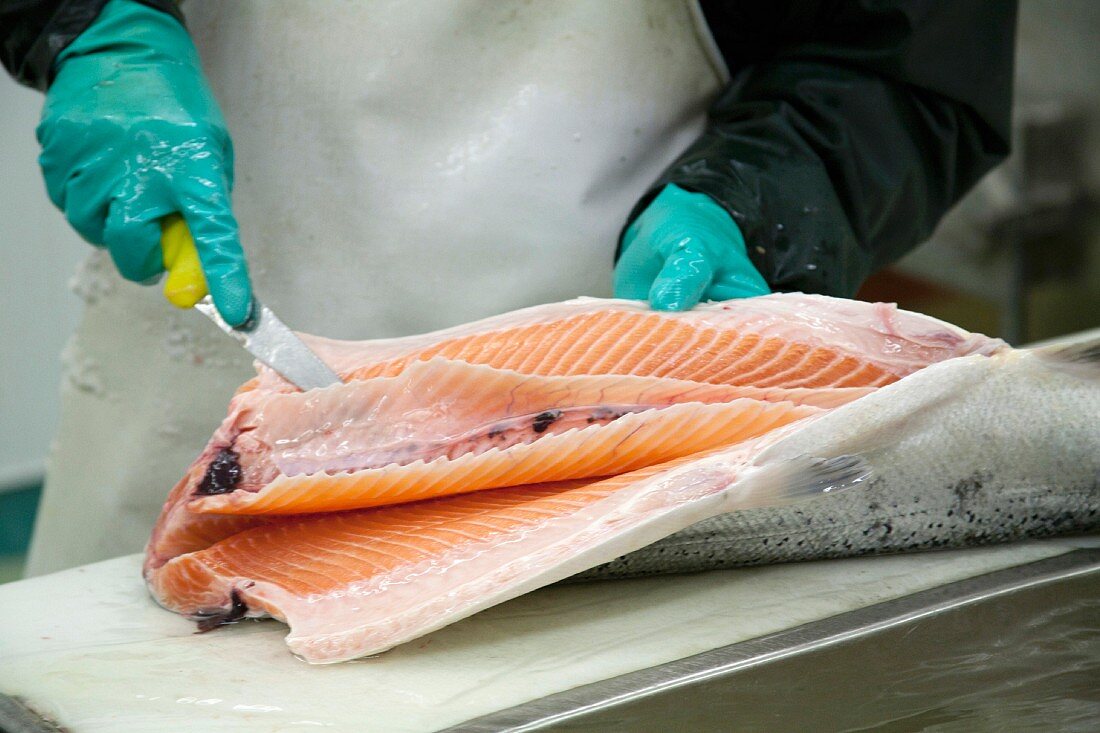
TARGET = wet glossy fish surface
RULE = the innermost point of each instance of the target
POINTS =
(452, 471)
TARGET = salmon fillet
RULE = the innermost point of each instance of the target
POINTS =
(779, 340)
(488, 428)
(442, 427)
(361, 582)
(530, 432)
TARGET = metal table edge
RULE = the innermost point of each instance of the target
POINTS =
(16, 717)
(540, 713)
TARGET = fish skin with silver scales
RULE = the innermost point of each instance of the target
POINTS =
(906, 508)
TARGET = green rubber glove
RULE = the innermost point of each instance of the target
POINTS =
(682, 249)
(130, 133)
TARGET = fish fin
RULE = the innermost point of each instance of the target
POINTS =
(1081, 358)
(208, 620)
(801, 478)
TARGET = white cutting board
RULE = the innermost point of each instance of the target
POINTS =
(89, 648)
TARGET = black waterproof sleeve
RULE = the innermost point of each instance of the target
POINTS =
(849, 128)
(33, 32)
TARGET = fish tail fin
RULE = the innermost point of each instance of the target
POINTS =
(800, 478)
(1081, 358)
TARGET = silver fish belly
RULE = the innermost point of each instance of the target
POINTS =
(975, 450)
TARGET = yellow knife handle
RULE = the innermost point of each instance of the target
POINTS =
(185, 284)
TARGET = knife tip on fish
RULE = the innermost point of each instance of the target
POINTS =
(271, 342)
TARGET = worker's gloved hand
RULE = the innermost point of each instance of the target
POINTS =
(130, 133)
(682, 249)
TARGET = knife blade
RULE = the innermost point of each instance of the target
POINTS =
(270, 341)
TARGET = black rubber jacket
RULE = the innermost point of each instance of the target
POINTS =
(849, 128)
(847, 131)
(33, 32)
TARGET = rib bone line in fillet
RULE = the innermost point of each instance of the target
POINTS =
(633, 441)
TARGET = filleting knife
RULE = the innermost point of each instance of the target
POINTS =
(263, 335)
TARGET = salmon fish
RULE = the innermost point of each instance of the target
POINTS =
(454, 470)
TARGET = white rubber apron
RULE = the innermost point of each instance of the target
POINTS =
(401, 167)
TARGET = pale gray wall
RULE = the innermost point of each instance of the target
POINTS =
(1057, 59)
(37, 310)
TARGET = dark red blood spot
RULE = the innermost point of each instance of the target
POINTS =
(210, 620)
(543, 420)
(222, 475)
